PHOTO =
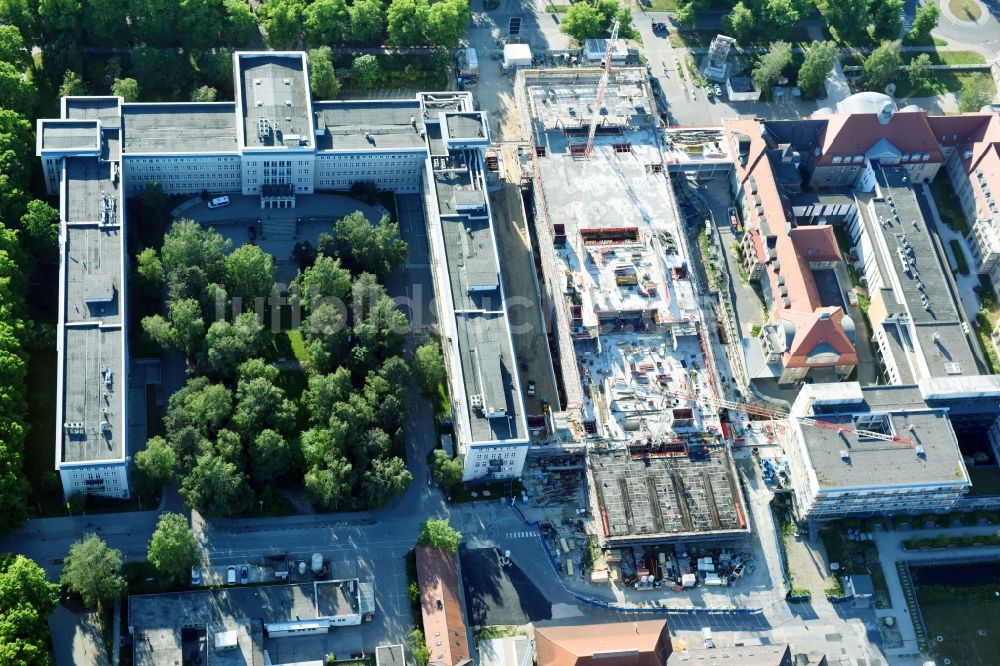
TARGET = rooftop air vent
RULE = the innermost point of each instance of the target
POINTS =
(845, 455)
(288, 102)
(288, 82)
(920, 452)
(257, 82)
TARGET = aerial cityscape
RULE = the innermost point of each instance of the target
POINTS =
(497, 332)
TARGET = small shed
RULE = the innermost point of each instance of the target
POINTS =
(594, 50)
(516, 55)
(859, 586)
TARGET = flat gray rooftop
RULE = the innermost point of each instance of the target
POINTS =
(915, 241)
(104, 109)
(369, 125)
(875, 462)
(436, 103)
(390, 655)
(488, 370)
(87, 399)
(180, 128)
(77, 135)
(472, 263)
(158, 619)
(91, 195)
(467, 125)
(669, 497)
(273, 88)
(93, 270)
(458, 191)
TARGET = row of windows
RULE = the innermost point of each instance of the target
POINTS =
(158, 160)
(354, 157)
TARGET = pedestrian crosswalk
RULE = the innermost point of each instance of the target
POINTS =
(521, 535)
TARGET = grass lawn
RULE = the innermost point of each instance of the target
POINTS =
(983, 331)
(941, 82)
(154, 420)
(498, 489)
(557, 9)
(296, 344)
(960, 261)
(657, 5)
(985, 480)
(967, 10)
(966, 619)
(857, 557)
(948, 206)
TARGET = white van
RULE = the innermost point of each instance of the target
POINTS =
(231, 576)
(218, 202)
(706, 634)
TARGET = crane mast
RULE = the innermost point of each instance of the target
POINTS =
(602, 86)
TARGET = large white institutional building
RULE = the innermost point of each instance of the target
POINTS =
(275, 142)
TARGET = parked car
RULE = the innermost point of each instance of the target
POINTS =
(244, 575)
(531, 389)
(718, 90)
(195, 576)
(218, 202)
(231, 576)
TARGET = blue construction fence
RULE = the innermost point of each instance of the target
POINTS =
(534, 524)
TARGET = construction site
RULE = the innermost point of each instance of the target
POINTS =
(637, 372)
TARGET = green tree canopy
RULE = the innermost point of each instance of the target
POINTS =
(60, 18)
(769, 67)
(325, 22)
(406, 20)
(926, 19)
(204, 94)
(582, 22)
(324, 392)
(428, 367)
(816, 66)
(447, 471)
(241, 24)
(365, 70)
(188, 244)
(269, 457)
(282, 22)
(365, 247)
(200, 23)
(12, 48)
(446, 22)
(156, 21)
(185, 329)
(438, 533)
(919, 71)
(328, 486)
(72, 85)
(229, 344)
(18, 93)
(217, 487)
(367, 21)
(778, 17)
(156, 462)
(249, 274)
(886, 17)
(173, 549)
(882, 65)
(40, 231)
(322, 75)
(977, 92)
(20, 14)
(26, 599)
(93, 570)
(150, 271)
(739, 23)
(848, 19)
(127, 89)
(260, 404)
(386, 478)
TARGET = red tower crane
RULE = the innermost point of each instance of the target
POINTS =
(601, 87)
